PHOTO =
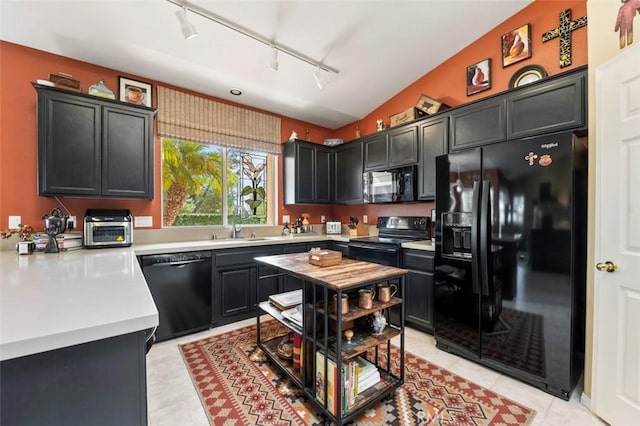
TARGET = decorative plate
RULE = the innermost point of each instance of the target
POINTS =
(526, 75)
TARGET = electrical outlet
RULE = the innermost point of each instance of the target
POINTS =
(72, 222)
(143, 221)
(365, 218)
(14, 221)
(323, 219)
(285, 218)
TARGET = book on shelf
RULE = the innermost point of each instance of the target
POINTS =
(286, 300)
(364, 384)
(64, 243)
(294, 314)
(297, 352)
(367, 375)
(326, 382)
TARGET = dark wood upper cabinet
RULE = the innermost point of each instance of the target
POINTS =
(558, 104)
(477, 124)
(550, 105)
(391, 148)
(88, 146)
(127, 153)
(347, 173)
(403, 146)
(376, 154)
(433, 141)
(306, 173)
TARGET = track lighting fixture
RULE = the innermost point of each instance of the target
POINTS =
(188, 29)
(321, 77)
(321, 74)
(273, 62)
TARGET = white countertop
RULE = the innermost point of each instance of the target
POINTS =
(54, 300)
(174, 247)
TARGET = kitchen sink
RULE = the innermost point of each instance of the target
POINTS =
(245, 239)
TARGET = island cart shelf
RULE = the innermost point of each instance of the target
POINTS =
(325, 345)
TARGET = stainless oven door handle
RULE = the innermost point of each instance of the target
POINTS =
(365, 247)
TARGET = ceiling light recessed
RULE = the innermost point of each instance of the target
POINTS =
(235, 91)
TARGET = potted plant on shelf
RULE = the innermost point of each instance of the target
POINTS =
(25, 233)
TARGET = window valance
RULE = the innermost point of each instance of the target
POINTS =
(189, 117)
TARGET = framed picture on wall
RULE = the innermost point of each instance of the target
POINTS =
(516, 45)
(134, 92)
(479, 77)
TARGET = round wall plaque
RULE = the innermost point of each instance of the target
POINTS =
(526, 75)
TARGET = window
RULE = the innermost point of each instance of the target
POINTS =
(205, 184)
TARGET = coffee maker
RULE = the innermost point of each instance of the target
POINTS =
(54, 223)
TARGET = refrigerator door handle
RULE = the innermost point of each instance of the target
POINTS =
(485, 241)
(475, 258)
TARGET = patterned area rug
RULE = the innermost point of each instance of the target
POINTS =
(238, 386)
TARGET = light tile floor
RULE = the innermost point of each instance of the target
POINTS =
(173, 401)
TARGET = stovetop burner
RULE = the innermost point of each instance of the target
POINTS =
(395, 230)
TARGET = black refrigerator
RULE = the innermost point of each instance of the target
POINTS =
(510, 259)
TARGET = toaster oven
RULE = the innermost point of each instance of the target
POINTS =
(108, 228)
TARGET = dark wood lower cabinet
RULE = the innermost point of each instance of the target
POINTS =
(235, 280)
(100, 383)
(418, 298)
(268, 286)
(237, 289)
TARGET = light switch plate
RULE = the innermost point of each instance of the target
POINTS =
(142, 221)
(323, 219)
(285, 218)
(365, 218)
(14, 221)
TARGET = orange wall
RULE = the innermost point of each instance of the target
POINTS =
(19, 66)
(447, 82)
(18, 137)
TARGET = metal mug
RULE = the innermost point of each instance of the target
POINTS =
(344, 303)
(365, 298)
(386, 292)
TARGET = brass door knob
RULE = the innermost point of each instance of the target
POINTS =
(607, 266)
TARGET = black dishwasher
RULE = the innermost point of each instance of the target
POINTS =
(180, 284)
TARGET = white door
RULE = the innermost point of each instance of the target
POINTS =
(616, 378)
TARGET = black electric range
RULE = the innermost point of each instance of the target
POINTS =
(392, 232)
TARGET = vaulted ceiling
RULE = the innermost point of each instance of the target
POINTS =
(378, 47)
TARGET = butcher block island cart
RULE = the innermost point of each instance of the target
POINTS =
(339, 356)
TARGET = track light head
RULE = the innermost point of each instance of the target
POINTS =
(188, 29)
(273, 62)
(321, 77)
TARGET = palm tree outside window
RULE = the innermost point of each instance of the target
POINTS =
(205, 184)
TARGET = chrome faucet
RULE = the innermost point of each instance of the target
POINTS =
(236, 228)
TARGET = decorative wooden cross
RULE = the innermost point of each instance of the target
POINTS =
(564, 32)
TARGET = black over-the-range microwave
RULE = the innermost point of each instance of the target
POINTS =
(390, 186)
